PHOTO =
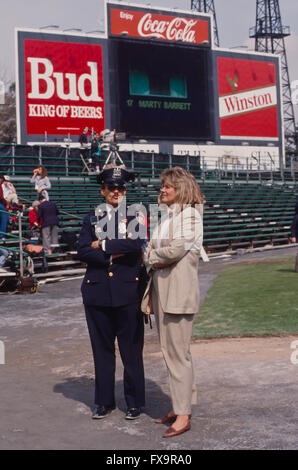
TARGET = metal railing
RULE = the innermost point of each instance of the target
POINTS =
(18, 238)
(66, 162)
(275, 31)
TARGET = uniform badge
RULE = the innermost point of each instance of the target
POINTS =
(116, 172)
(122, 226)
(140, 218)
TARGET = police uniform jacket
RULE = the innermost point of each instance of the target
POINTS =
(112, 282)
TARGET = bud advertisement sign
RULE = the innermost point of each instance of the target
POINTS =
(63, 87)
(248, 98)
(136, 22)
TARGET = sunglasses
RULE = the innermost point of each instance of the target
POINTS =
(113, 187)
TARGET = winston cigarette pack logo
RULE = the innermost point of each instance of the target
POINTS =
(233, 82)
(247, 101)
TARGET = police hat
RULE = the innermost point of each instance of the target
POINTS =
(115, 176)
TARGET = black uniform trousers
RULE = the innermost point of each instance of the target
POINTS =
(125, 323)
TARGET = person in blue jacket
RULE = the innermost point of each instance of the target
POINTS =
(111, 242)
(47, 216)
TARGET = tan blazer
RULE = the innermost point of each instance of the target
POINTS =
(178, 284)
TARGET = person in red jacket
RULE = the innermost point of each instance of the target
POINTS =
(34, 225)
(32, 215)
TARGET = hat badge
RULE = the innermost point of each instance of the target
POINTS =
(116, 173)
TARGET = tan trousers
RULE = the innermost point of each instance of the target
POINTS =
(174, 334)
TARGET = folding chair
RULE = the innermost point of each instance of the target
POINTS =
(86, 167)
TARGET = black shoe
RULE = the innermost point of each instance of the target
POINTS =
(133, 413)
(102, 411)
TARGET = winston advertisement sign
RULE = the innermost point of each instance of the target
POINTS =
(247, 98)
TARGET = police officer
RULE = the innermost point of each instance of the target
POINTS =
(111, 243)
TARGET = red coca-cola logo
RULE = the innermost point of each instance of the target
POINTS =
(166, 27)
(174, 30)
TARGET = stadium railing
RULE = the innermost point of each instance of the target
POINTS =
(19, 160)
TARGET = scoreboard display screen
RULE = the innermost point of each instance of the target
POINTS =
(162, 91)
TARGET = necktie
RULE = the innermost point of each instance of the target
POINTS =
(114, 223)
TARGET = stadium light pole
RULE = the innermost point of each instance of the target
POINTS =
(207, 6)
(269, 35)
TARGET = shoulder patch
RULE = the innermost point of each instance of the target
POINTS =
(140, 218)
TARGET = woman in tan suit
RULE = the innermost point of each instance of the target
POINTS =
(172, 258)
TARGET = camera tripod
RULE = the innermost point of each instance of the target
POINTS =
(113, 155)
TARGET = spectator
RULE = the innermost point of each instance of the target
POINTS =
(3, 213)
(33, 221)
(9, 191)
(96, 151)
(3, 258)
(41, 181)
(47, 216)
(83, 139)
(294, 233)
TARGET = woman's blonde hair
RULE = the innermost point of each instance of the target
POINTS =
(187, 189)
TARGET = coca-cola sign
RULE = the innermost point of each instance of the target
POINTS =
(175, 30)
(139, 23)
(63, 87)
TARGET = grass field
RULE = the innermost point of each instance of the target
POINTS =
(256, 298)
